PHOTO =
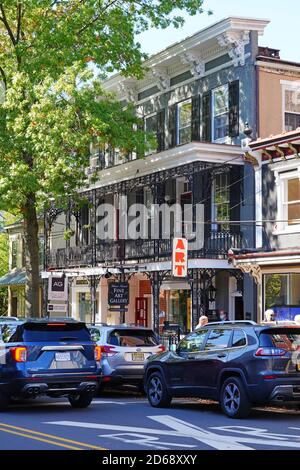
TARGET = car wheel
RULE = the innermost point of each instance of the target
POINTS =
(81, 401)
(4, 401)
(157, 392)
(234, 400)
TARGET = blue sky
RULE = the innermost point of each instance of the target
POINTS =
(282, 33)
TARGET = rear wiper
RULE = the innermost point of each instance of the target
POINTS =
(68, 338)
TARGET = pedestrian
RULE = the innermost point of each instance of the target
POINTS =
(203, 320)
(269, 316)
(223, 315)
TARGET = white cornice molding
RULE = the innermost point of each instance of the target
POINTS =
(162, 78)
(188, 153)
(128, 90)
(204, 39)
(195, 62)
(236, 42)
(277, 67)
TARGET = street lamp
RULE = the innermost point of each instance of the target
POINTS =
(212, 293)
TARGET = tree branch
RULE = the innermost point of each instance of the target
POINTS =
(97, 17)
(5, 22)
(3, 75)
(19, 21)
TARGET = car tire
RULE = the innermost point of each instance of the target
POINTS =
(157, 393)
(234, 400)
(81, 401)
(4, 401)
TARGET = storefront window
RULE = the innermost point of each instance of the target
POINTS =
(281, 290)
(179, 308)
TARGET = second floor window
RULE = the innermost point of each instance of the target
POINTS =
(220, 118)
(292, 201)
(184, 122)
(292, 108)
(221, 202)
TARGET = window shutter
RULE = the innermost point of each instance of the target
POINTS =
(161, 130)
(206, 117)
(172, 125)
(234, 92)
(196, 118)
(140, 127)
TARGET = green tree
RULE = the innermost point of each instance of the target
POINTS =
(3, 268)
(53, 107)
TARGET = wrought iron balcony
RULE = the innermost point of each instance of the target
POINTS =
(216, 246)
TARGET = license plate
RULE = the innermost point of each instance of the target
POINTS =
(138, 357)
(62, 357)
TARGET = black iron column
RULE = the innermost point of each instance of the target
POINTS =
(194, 280)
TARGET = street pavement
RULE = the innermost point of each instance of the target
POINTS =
(125, 421)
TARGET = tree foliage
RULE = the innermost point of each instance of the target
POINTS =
(53, 107)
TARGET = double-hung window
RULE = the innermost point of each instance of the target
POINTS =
(221, 202)
(151, 128)
(184, 122)
(220, 114)
(291, 105)
(291, 202)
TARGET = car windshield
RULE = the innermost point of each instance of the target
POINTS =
(132, 338)
(285, 338)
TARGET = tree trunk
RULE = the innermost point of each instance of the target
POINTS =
(31, 234)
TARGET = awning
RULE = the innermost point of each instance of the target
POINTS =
(13, 278)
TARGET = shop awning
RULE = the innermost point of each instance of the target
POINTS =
(13, 278)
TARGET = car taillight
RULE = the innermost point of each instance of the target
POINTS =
(19, 353)
(161, 348)
(270, 352)
(97, 353)
(108, 350)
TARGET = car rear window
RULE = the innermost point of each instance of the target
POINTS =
(132, 338)
(285, 338)
(53, 332)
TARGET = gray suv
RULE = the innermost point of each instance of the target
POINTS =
(124, 349)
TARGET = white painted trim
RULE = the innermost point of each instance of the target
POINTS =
(258, 206)
(181, 155)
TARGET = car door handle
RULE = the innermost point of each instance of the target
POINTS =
(221, 356)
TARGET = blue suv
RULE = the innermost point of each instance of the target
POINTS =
(48, 357)
(237, 365)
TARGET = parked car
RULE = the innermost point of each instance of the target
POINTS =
(47, 357)
(237, 365)
(124, 349)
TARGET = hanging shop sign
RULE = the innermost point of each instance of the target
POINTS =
(58, 288)
(180, 257)
(118, 293)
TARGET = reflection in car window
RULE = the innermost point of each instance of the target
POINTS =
(95, 334)
(239, 339)
(218, 339)
(193, 342)
(7, 332)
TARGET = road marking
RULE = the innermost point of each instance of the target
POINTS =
(183, 429)
(16, 429)
(65, 446)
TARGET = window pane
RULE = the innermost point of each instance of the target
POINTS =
(239, 339)
(221, 101)
(292, 101)
(151, 128)
(193, 342)
(293, 190)
(218, 339)
(294, 213)
(276, 290)
(292, 121)
(184, 122)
